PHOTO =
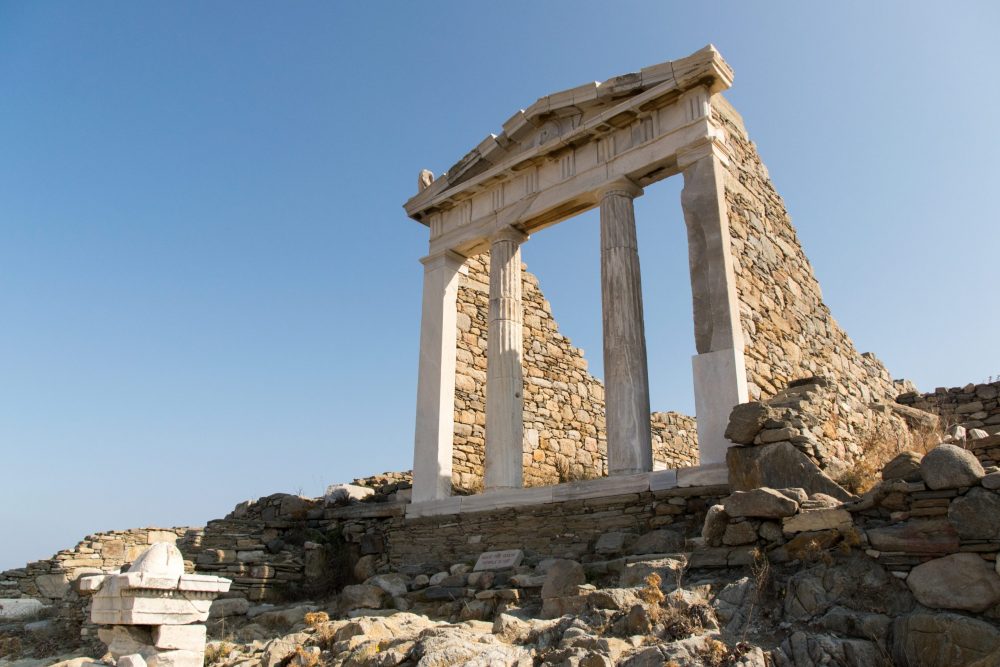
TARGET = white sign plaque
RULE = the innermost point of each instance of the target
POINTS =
(499, 560)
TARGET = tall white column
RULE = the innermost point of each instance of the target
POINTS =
(504, 353)
(435, 423)
(626, 378)
(719, 367)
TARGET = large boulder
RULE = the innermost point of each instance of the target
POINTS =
(938, 639)
(949, 467)
(746, 421)
(763, 503)
(906, 466)
(778, 466)
(976, 515)
(960, 581)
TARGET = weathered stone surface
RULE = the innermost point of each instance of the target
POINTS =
(764, 503)
(746, 421)
(932, 536)
(814, 520)
(949, 467)
(361, 596)
(345, 493)
(777, 466)
(739, 533)
(936, 639)
(53, 585)
(226, 607)
(991, 481)
(393, 584)
(563, 578)
(658, 542)
(668, 569)
(905, 466)
(976, 515)
(610, 543)
(959, 581)
(714, 528)
(180, 637)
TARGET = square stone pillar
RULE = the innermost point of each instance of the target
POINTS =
(504, 355)
(626, 375)
(434, 433)
(719, 367)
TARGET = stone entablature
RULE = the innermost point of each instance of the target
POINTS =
(551, 159)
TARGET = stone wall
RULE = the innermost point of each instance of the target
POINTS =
(971, 406)
(564, 428)
(53, 581)
(788, 331)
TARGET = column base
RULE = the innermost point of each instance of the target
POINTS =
(720, 384)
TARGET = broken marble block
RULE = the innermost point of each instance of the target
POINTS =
(154, 609)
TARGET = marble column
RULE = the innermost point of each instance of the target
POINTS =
(504, 354)
(719, 367)
(626, 378)
(435, 423)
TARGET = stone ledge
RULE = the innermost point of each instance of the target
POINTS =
(714, 476)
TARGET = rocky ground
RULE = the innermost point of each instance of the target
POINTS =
(832, 607)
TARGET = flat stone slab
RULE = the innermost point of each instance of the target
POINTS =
(19, 607)
(499, 560)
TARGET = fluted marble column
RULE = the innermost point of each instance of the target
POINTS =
(719, 367)
(434, 433)
(626, 378)
(504, 353)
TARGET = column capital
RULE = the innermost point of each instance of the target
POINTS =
(443, 258)
(620, 186)
(508, 233)
(707, 146)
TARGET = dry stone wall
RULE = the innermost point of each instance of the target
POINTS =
(971, 406)
(788, 331)
(53, 582)
(564, 427)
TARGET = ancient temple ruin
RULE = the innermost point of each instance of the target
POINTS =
(759, 320)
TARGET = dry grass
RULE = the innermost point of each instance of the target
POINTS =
(879, 448)
(305, 658)
(218, 651)
(316, 618)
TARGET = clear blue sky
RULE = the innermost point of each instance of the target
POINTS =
(210, 291)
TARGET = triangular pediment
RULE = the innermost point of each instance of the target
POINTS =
(556, 119)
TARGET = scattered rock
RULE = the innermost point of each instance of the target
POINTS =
(563, 578)
(361, 596)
